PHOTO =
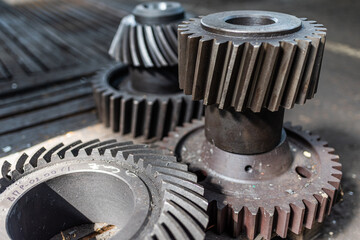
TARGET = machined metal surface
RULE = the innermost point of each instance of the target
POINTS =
(140, 192)
(287, 189)
(147, 38)
(147, 116)
(250, 59)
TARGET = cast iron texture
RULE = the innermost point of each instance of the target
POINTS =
(250, 59)
(289, 188)
(143, 192)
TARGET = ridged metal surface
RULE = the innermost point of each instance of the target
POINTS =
(147, 117)
(250, 72)
(252, 213)
(146, 46)
(182, 213)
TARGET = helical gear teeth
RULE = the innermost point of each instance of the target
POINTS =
(240, 73)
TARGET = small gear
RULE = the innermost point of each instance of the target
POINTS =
(259, 196)
(147, 38)
(143, 192)
(145, 116)
(250, 59)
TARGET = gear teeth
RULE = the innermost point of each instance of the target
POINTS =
(261, 73)
(47, 156)
(283, 219)
(19, 167)
(266, 219)
(145, 45)
(310, 213)
(75, 150)
(143, 117)
(36, 156)
(61, 152)
(297, 217)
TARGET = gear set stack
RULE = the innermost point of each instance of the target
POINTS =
(142, 98)
(260, 176)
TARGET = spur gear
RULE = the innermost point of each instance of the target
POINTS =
(144, 99)
(250, 59)
(260, 196)
(145, 116)
(147, 38)
(141, 192)
(260, 177)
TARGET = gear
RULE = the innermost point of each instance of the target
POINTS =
(250, 59)
(259, 195)
(147, 38)
(142, 192)
(146, 116)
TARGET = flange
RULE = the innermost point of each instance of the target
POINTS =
(288, 188)
(141, 192)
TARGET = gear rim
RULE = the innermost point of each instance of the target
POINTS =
(145, 116)
(236, 218)
(172, 195)
(250, 72)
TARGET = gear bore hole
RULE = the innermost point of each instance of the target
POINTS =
(201, 175)
(158, 6)
(250, 21)
(303, 172)
(248, 169)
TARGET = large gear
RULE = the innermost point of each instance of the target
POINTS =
(147, 38)
(260, 196)
(140, 191)
(145, 116)
(250, 59)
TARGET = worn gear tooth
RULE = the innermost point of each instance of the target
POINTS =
(5, 169)
(125, 150)
(173, 226)
(192, 228)
(247, 64)
(283, 219)
(323, 200)
(61, 152)
(266, 221)
(115, 112)
(286, 57)
(296, 73)
(331, 192)
(250, 224)
(89, 149)
(309, 70)
(36, 156)
(75, 150)
(297, 217)
(48, 155)
(263, 75)
(310, 213)
(19, 167)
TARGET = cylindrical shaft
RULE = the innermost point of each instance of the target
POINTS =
(243, 132)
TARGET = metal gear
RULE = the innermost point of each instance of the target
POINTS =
(147, 38)
(250, 59)
(259, 196)
(146, 116)
(144, 193)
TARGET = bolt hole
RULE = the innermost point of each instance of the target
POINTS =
(248, 169)
(250, 21)
(201, 175)
(303, 172)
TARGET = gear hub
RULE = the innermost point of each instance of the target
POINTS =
(260, 176)
(134, 191)
(143, 98)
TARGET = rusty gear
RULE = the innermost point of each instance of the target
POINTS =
(259, 196)
(145, 116)
(147, 38)
(250, 59)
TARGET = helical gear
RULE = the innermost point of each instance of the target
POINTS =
(146, 117)
(266, 206)
(176, 208)
(149, 41)
(274, 62)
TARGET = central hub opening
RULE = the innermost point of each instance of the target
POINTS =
(250, 21)
(158, 6)
(68, 201)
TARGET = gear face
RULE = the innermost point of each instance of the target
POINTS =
(148, 37)
(141, 192)
(250, 59)
(146, 116)
(254, 194)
